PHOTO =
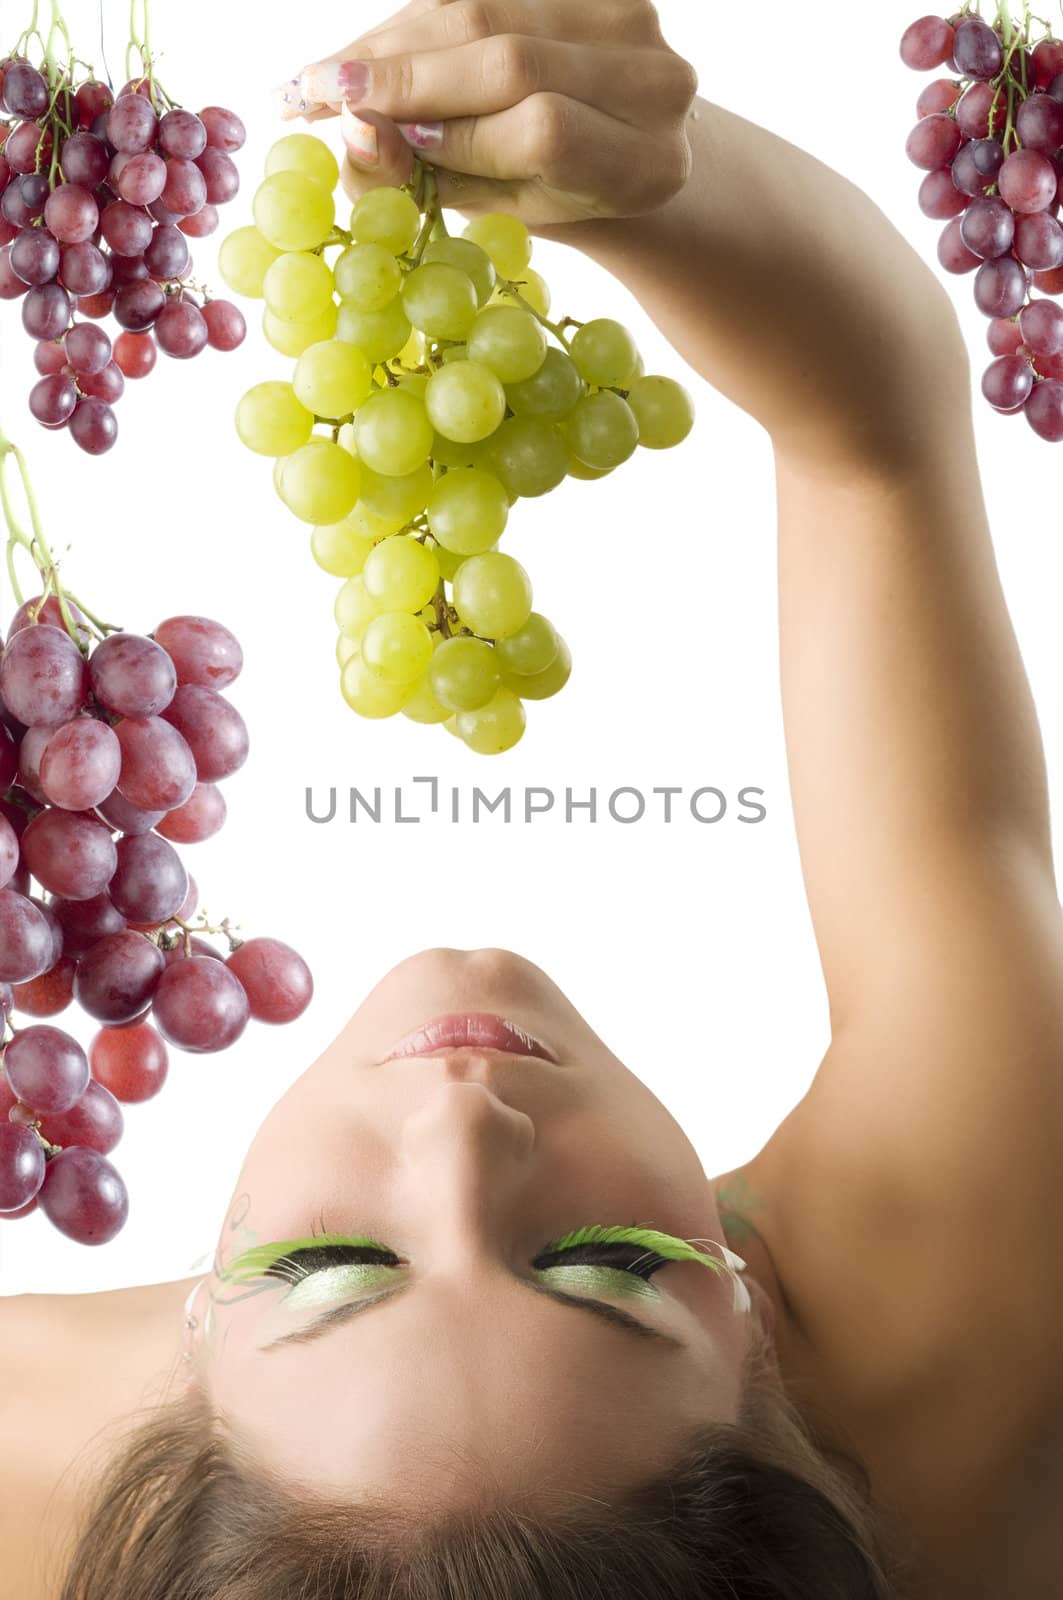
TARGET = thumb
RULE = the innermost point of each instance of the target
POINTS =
(377, 155)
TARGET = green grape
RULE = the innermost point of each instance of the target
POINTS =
(345, 649)
(440, 301)
(415, 383)
(298, 287)
(388, 217)
(301, 152)
(368, 693)
(468, 511)
(509, 341)
(580, 469)
(271, 420)
(605, 353)
(413, 351)
(468, 258)
(423, 705)
(531, 650)
(505, 239)
(320, 482)
(637, 371)
(455, 352)
(367, 523)
(542, 685)
(493, 595)
(369, 275)
(393, 433)
(664, 412)
(451, 453)
(529, 456)
(449, 562)
(464, 674)
(401, 574)
(293, 212)
(332, 378)
(340, 548)
(398, 647)
(396, 499)
(355, 608)
(380, 334)
(243, 260)
(292, 338)
(534, 291)
(602, 430)
(551, 392)
(465, 402)
(495, 727)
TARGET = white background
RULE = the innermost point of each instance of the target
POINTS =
(688, 947)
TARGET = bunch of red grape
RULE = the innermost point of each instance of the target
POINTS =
(991, 143)
(98, 200)
(108, 757)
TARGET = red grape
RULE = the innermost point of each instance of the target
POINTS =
(84, 160)
(88, 349)
(213, 729)
(941, 95)
(83, 922)
(202, 651)
(131, 1062)
(1006, 384)
(181, 329)
(1044, 410)
(132, 675)
(43, 676)
(71, 213)
(225, 131)
(93, 425)
(978, 52)
(201, 816)
(95, 1123)
(277, 980)
(46, 1068)
(204, 222)
(200, 1005)
(226, 327)
(52, 401)
(131, 124)
(1000, 287)
(117, 977)
(70, 852)
(927, 43)
(150, 881)
(34, 256)
(46, 311)
(158, 766)
(26, 92)
(933, 142)
(22, 1167)
(50, 992)
(181, 133)
(84, 269)
(83, 1196)
(1042, 327)
(25, 938)
(136, 354)
(1027, 181)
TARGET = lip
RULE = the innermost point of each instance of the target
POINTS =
(470, 1031)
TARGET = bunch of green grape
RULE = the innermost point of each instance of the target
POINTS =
(431, 392)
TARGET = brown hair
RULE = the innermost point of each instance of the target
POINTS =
(757, 1510)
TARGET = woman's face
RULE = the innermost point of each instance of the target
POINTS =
(467, 1162)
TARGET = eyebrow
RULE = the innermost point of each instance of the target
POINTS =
(339, 1315)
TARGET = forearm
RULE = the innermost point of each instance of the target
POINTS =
(788, 289)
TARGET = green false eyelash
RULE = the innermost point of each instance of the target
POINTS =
(256, 1262)
(662, 1244)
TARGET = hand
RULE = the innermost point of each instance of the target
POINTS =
(518, 104)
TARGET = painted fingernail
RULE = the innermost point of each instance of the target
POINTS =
(422, 135)
(360, 138)
(289, 98)
(330, 83)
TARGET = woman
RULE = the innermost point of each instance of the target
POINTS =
(878, 1412)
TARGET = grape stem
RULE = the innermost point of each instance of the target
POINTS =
(37, 545)
(189, 928)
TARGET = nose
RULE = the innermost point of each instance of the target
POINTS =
(469, 1154)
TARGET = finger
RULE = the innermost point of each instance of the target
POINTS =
(561, 151)
(475, 80)
(377, 153)
(289, 97)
